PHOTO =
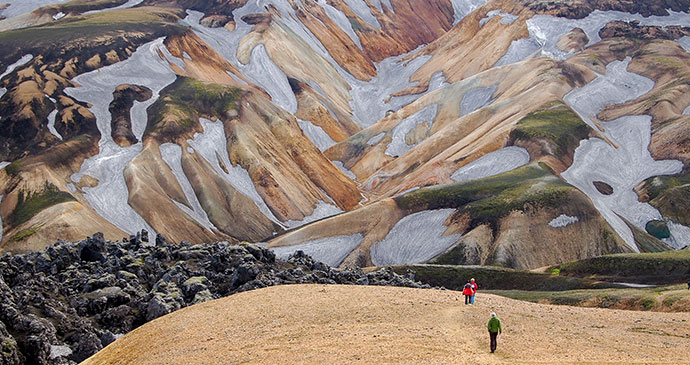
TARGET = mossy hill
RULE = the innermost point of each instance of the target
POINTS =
(181, 104)
(647, 268)
(490, 199)
(555, 124)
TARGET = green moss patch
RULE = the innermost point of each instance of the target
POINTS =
(30, 205)
(491, 277)
(647, 268)
(622, 298)
(183, 102)
(24, 233)
(490, 199)
(671, 196)
(554, 123)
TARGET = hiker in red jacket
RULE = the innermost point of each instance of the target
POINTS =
(467, 292)
(474, 290)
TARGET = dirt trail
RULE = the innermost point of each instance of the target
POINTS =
(353, 324)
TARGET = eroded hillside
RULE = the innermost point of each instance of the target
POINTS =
(364, 132)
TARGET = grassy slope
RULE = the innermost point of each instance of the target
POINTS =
(490, 199)
(491, 277)
(32, 204)
(671, 195)
(654, 268)
(556, 124)
(181, 104)
(666, 298)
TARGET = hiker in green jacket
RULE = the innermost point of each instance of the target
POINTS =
(494, 330)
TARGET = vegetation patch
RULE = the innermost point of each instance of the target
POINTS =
(25, 233)
(490, 199)
(82, 6)
(491, 277)
(671, 196)
(28, 205)
(183, 102)
(644, 299)
(647, 268)
(554, 123)
(84, 35)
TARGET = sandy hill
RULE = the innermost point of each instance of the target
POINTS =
(348, 324)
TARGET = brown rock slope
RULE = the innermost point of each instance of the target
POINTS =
(352, 324)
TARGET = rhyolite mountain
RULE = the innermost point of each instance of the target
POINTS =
(363, 132)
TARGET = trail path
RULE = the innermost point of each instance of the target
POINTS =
(350, 324)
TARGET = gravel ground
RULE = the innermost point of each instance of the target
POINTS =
(348, 324)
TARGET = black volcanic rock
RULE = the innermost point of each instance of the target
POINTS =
(580, 9)
(65, 303)
(635, 30)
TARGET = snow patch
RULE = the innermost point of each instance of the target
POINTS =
(519, 50)
(145, 67)
(370, 100)
(172, 155)
(128, 4)
(680, 235)
(615, 87)
(3, 164)
(316, 134)
(322, 210)
(21, 62)
(344, 169)
(398, 145)
(51, 124)
(212, 144)
(494, 163)
(464, 7)
(624, 167)
(20, 7)
(547, 30)
(506, 18)
(408, 190)
(341, 20)
(376, 139)
(378, 4)
(476, 98)
(59, 16)
(261, 69)
(562, 221)
(270, 77)
(685, 43)
(330, 250)
(414, 239)
(361, 8)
